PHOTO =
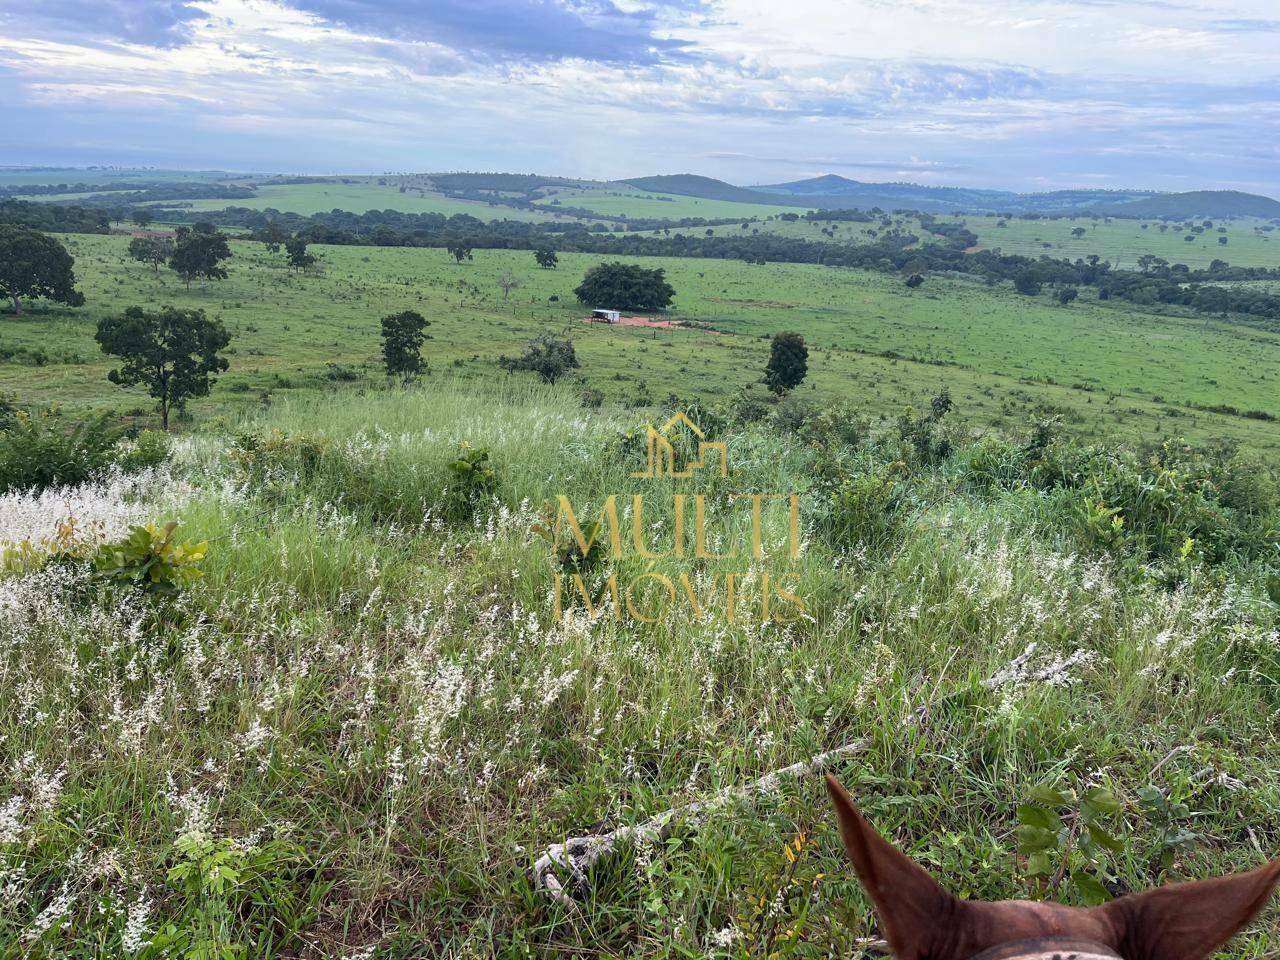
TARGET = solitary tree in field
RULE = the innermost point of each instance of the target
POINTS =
(402, 338)
(299, 259)
(34, 264)
(153, 250)
(549, 357)
(508, 282)
(625, 286)
(199, 256)
(143, 217)
(1067, 294)
(1078, 232)
(546, 258)
(460, 250)
(788, 363)
(174, 353)
(914, 280)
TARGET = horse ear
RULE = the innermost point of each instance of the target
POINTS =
(915, 912)
(1189, 921)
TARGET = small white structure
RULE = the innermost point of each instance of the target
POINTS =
(606, 316)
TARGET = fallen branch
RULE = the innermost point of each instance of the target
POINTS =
(578, 854)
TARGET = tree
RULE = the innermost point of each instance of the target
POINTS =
(143, 217)
(299, 259)
(914, 280)
(34, 264)
(788, 363)
(460, 250)
(1067, 294)
(402, 339)
(152, 250)
(508, 282)
(199, 255)
(548, 357)
(546, 258)
(174, 353)
(1078, 232)
(271, 236)
(1027, 282)
(625, 286)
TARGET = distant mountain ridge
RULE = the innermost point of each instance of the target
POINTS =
(834, 192)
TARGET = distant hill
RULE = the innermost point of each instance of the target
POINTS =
(830, 189)
(707, 188)
(1197, 203)
(832, 192)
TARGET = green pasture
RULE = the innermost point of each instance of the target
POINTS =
(618, 200)
(1123, 241)
(1104, 370)
(361, 197)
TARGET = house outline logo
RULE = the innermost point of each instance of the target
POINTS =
(660, 452)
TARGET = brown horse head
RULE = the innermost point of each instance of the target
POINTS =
(922, 921)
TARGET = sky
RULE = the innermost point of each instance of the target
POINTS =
(1017, 94)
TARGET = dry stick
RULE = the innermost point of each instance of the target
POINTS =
(578, 854)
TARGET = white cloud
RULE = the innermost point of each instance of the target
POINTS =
(992, 95)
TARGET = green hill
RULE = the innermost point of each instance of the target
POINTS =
(1198, 203)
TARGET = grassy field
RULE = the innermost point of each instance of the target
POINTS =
(358, 731)
(618, 200)
(835, 231)
(355, 733)
(361, 197)
(1124, 241)
(1106, 370)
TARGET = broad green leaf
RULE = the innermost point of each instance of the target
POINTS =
(1040, 864)
(1091, 891)
(1035, 839)
(1036, 816)
(1102, 800)
(1104, 839)
(1048, 796)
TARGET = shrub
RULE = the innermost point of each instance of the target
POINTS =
(42, 450)
(148, 449)
(472, 479)
(549, 357)
(149, 559)
(866, 510)
(277, 456)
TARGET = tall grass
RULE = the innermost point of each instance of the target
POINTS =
(366, 705)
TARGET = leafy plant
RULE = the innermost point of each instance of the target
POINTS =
(1165, 815)
(150, 448)
(1067, 838)
(44, 449)
(216, 883)
(148, 558)
(473, 479)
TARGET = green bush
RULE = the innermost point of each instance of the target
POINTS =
(44, 449)
(150, 448)
(867, 510)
